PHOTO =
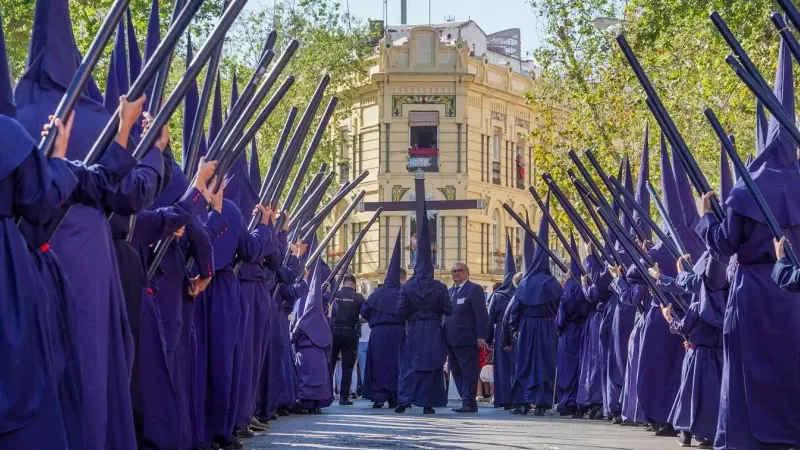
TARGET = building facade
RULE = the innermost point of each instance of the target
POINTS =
(430, 105)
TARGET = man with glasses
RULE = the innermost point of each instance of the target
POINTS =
(465, 331)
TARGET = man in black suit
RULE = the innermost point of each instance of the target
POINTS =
(465, 331)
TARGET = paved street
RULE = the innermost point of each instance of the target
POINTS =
(361, 427)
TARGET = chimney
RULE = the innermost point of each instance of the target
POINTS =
(403, 12)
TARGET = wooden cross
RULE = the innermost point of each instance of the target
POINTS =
(419, 203)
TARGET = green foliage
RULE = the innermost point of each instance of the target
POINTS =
(328, 44)
(586, 95)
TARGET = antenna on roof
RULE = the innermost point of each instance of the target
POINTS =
(449, 18)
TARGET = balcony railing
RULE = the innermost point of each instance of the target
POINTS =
(520, 183)
(498, 265)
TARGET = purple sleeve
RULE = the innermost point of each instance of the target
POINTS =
(250, 247)
(138, 189)
(786, 275)
(215, 225)
(200, 247)
(63, 183)
(511, 320)
(365, 311)
(592, 294)
(674, 286)
(402, 305)
(95, 182)
(621, 287)
(684, 326)
(33, 182)
(152, 225)
(689, 282)
(722, 238)
(493, 315)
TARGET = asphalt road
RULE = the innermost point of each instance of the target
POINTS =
(361, 427)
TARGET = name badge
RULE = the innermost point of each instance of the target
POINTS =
(460, 301)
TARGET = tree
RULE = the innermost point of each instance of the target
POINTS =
(586, 95)
(326, 45)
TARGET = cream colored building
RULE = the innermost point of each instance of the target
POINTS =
(431, 103)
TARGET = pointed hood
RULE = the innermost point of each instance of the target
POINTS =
(541, 260)
(134, 54)
(239, 185)
(255, 170)
(313, 321)
(775, 170)
(528, 247)
(7, 105)
(628, 183)
(726, 181)
(423, 266)
(538, 286)
(507, 287)
(688, 204)
(216, 112)
(117, 79)
(642, 195)
(242, 160)
(53, 60)
(151, 41)
(672, 204)
(422, 289)
(762, 124)
(189, 106)
(392, 279)
(574, 264)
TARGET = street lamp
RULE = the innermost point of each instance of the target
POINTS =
(602, 23)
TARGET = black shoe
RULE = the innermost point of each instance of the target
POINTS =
(392, 404)
(538, 412)
(236, 443)
(519, 410)
(685, 439)
(617, 420)
(345, 402)
(283, 412)
(377, 405)
(258, 425)
(464, 409)
(297, 408)
(506, 407)
(244, 433)
(628, 423)
(401, 408)
(667, 430)
(428, 410)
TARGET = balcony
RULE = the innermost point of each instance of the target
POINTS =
(498, 264)
(425, 159)
(520, 183)
(496, 172)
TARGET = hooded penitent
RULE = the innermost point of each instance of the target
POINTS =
(312, 339)
(570, 321)
(621, 315)
(387, 331)
(255, 170)
(659, 371)
(531, 316)
(31, 415)
(692, 242)
(498, 303)
(635, 297)
(83, 242)
(423, 302)
(762, 126)
(759, 382)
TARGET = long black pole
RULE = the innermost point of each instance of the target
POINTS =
(536, 238)
(151, 68)
(575, 257)
(352, 253)
(772, 223)
(83, 73)
(671, 130)
(334, 229)
(310, 151)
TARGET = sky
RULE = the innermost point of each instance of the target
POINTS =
(486, 13)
